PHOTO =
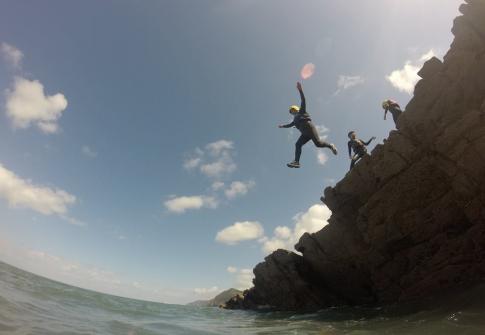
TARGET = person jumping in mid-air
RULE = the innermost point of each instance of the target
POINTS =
(393, 108)
(358, 146)
(303, 122)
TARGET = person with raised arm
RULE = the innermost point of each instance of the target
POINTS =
(303, 122)
(358, 146)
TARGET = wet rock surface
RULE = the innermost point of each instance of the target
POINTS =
(409, 221)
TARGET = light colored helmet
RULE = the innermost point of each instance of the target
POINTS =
(294, 107)
(385, 104)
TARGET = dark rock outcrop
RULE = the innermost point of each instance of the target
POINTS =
(408, 221)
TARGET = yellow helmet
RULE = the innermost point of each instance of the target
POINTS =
(294, 107)
(385, 104)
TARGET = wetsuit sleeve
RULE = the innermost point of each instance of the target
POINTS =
(289, 125)
(368, 142)
(303, 103)
(349, 144)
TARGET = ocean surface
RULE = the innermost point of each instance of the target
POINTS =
(30, 304)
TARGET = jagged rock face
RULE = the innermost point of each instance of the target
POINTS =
(408, 221)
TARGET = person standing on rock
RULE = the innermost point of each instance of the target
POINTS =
(358, 146)
(303, 122)
(392, 107)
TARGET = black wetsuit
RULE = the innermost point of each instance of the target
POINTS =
(359, 148)
(394, 109)
(303, 123)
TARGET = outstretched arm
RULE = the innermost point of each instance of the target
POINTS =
(368, 142)
(302, 96)
(289, 125)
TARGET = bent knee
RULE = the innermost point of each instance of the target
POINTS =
(322, 144)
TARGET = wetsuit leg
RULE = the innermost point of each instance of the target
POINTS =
(311, 131)
(301, 142)
(396, 113)
(352, 162)
(356, 158)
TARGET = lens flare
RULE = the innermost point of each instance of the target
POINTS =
(307, 70)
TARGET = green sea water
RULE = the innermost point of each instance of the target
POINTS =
(30, 304)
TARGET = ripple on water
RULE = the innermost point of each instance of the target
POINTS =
(33, 305)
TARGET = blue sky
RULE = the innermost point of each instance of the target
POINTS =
(139, 148)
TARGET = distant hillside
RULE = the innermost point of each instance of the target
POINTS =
(221, 298)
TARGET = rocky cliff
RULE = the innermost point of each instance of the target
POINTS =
(408, 221)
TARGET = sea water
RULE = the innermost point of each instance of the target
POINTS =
(30, 304)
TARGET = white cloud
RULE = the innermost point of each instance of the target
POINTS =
(219, 147)
(282, 232)
(204, 291)
(12, 55)
(406, 78)
(48, 127)
(322, 157)
(88, 151)
(222, 166)
(231, 269)
(239, 188)
(311, 221)
(73, 221)
(217, 185)
(244, 279)
(192, 163)
(276, 243)
(27, 104)
(20, 193)
(346, 82)
(240, 231)
(184, 203)
(427, 56)
(215, 161)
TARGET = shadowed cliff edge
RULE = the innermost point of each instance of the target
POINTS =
(408, 221)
